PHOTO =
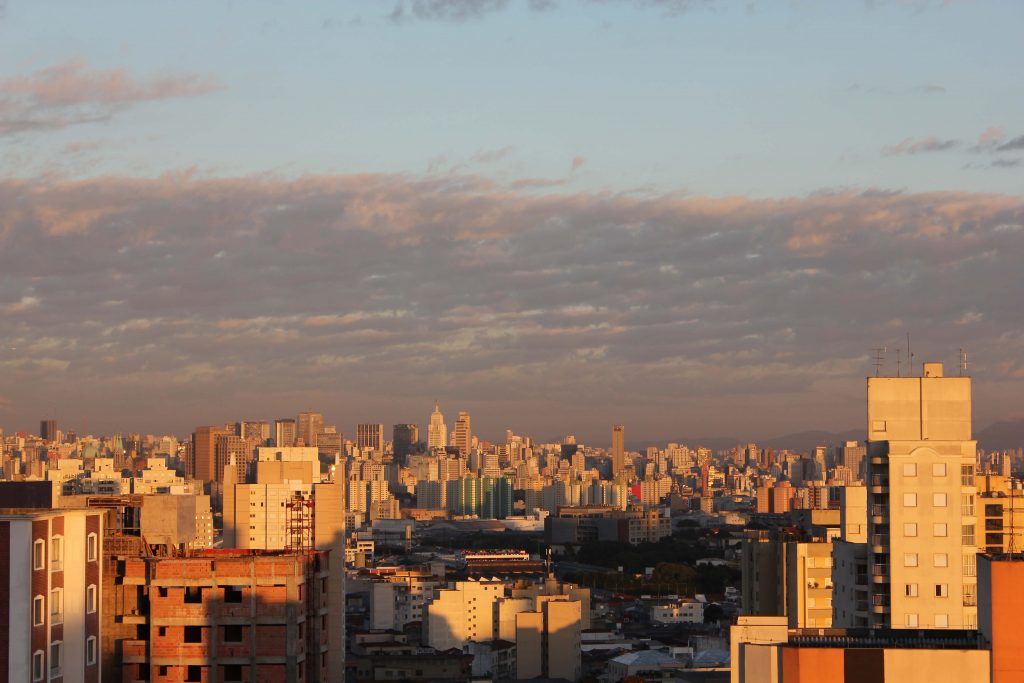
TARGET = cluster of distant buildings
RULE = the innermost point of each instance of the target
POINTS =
(279, 546)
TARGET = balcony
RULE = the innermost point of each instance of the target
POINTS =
(880, 604)
(880, 543)
(879, 513)
(879, 483)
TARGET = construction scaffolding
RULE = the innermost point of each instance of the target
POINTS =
(301, 523)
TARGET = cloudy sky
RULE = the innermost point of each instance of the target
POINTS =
(694, 217)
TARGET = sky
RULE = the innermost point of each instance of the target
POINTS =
(692, 217)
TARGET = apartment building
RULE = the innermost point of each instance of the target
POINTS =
(50, 594)
(231, 615)
(922, 534)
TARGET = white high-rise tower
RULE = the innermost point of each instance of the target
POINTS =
(437, 432)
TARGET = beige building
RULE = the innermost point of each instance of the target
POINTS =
(787, 577)
(922, 531)
(548, 639)
(462, 613)
(287, 506)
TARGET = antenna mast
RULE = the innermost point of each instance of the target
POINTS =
(963, 362)
(879, 358)
(910, 358)
(899, 361)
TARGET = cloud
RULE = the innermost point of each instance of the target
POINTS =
(444, 10)
(71, 93)
(489, 156)
(911, 146)
(1015, 144)
(161, 303)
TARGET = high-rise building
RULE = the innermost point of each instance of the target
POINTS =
(618, 450)
(462, 435)
(309, 425)
(437, 432)
(48, 430)
(204, 463)
(52, 587)
(404, 438)
(284, 432)
(851, 454)
(256, 431)
(232, 615)
(227, 449)
(922, 531)
(370, 435)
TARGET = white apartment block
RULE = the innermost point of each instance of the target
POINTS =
(922, 524)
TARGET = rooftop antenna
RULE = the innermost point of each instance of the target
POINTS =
(963, 362)
(899, 361)
(879, 358)
(910, 358)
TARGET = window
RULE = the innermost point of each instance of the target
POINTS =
(232, 634)
(910, 500)
(967, 534)
(878, 425)
(967, 475)
(942, 590)
(193, 634)
(232, 594)
(940, 530)
(38, 610)
(90, 650)
(90, 599)
(162, 671)
(193, 674)
(57, 553)
(970, 565)
(910, 469)
(912, 620)
(940, 560)
(193, 595)
(967, 505)
(910, 559)
(941, 621)
(939, 500)
(910, 529)
(970, 597)
(38, 662)
(91, 548)
(161, 631)
(232, 672)
(939, 469)
(910, 590)
(56, 659)
(57, 606)
(39, 555)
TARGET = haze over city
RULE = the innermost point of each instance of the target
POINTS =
(692, 218)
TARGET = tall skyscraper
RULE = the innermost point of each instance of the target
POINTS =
(284, 432)
(48, 430)
(437, 432)
(309, 425)
(370, 435)
(618, 450)
(204, 464)
(922, 535)
(404, 438)
(462, 435)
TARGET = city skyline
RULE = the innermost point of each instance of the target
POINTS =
(685, 225)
